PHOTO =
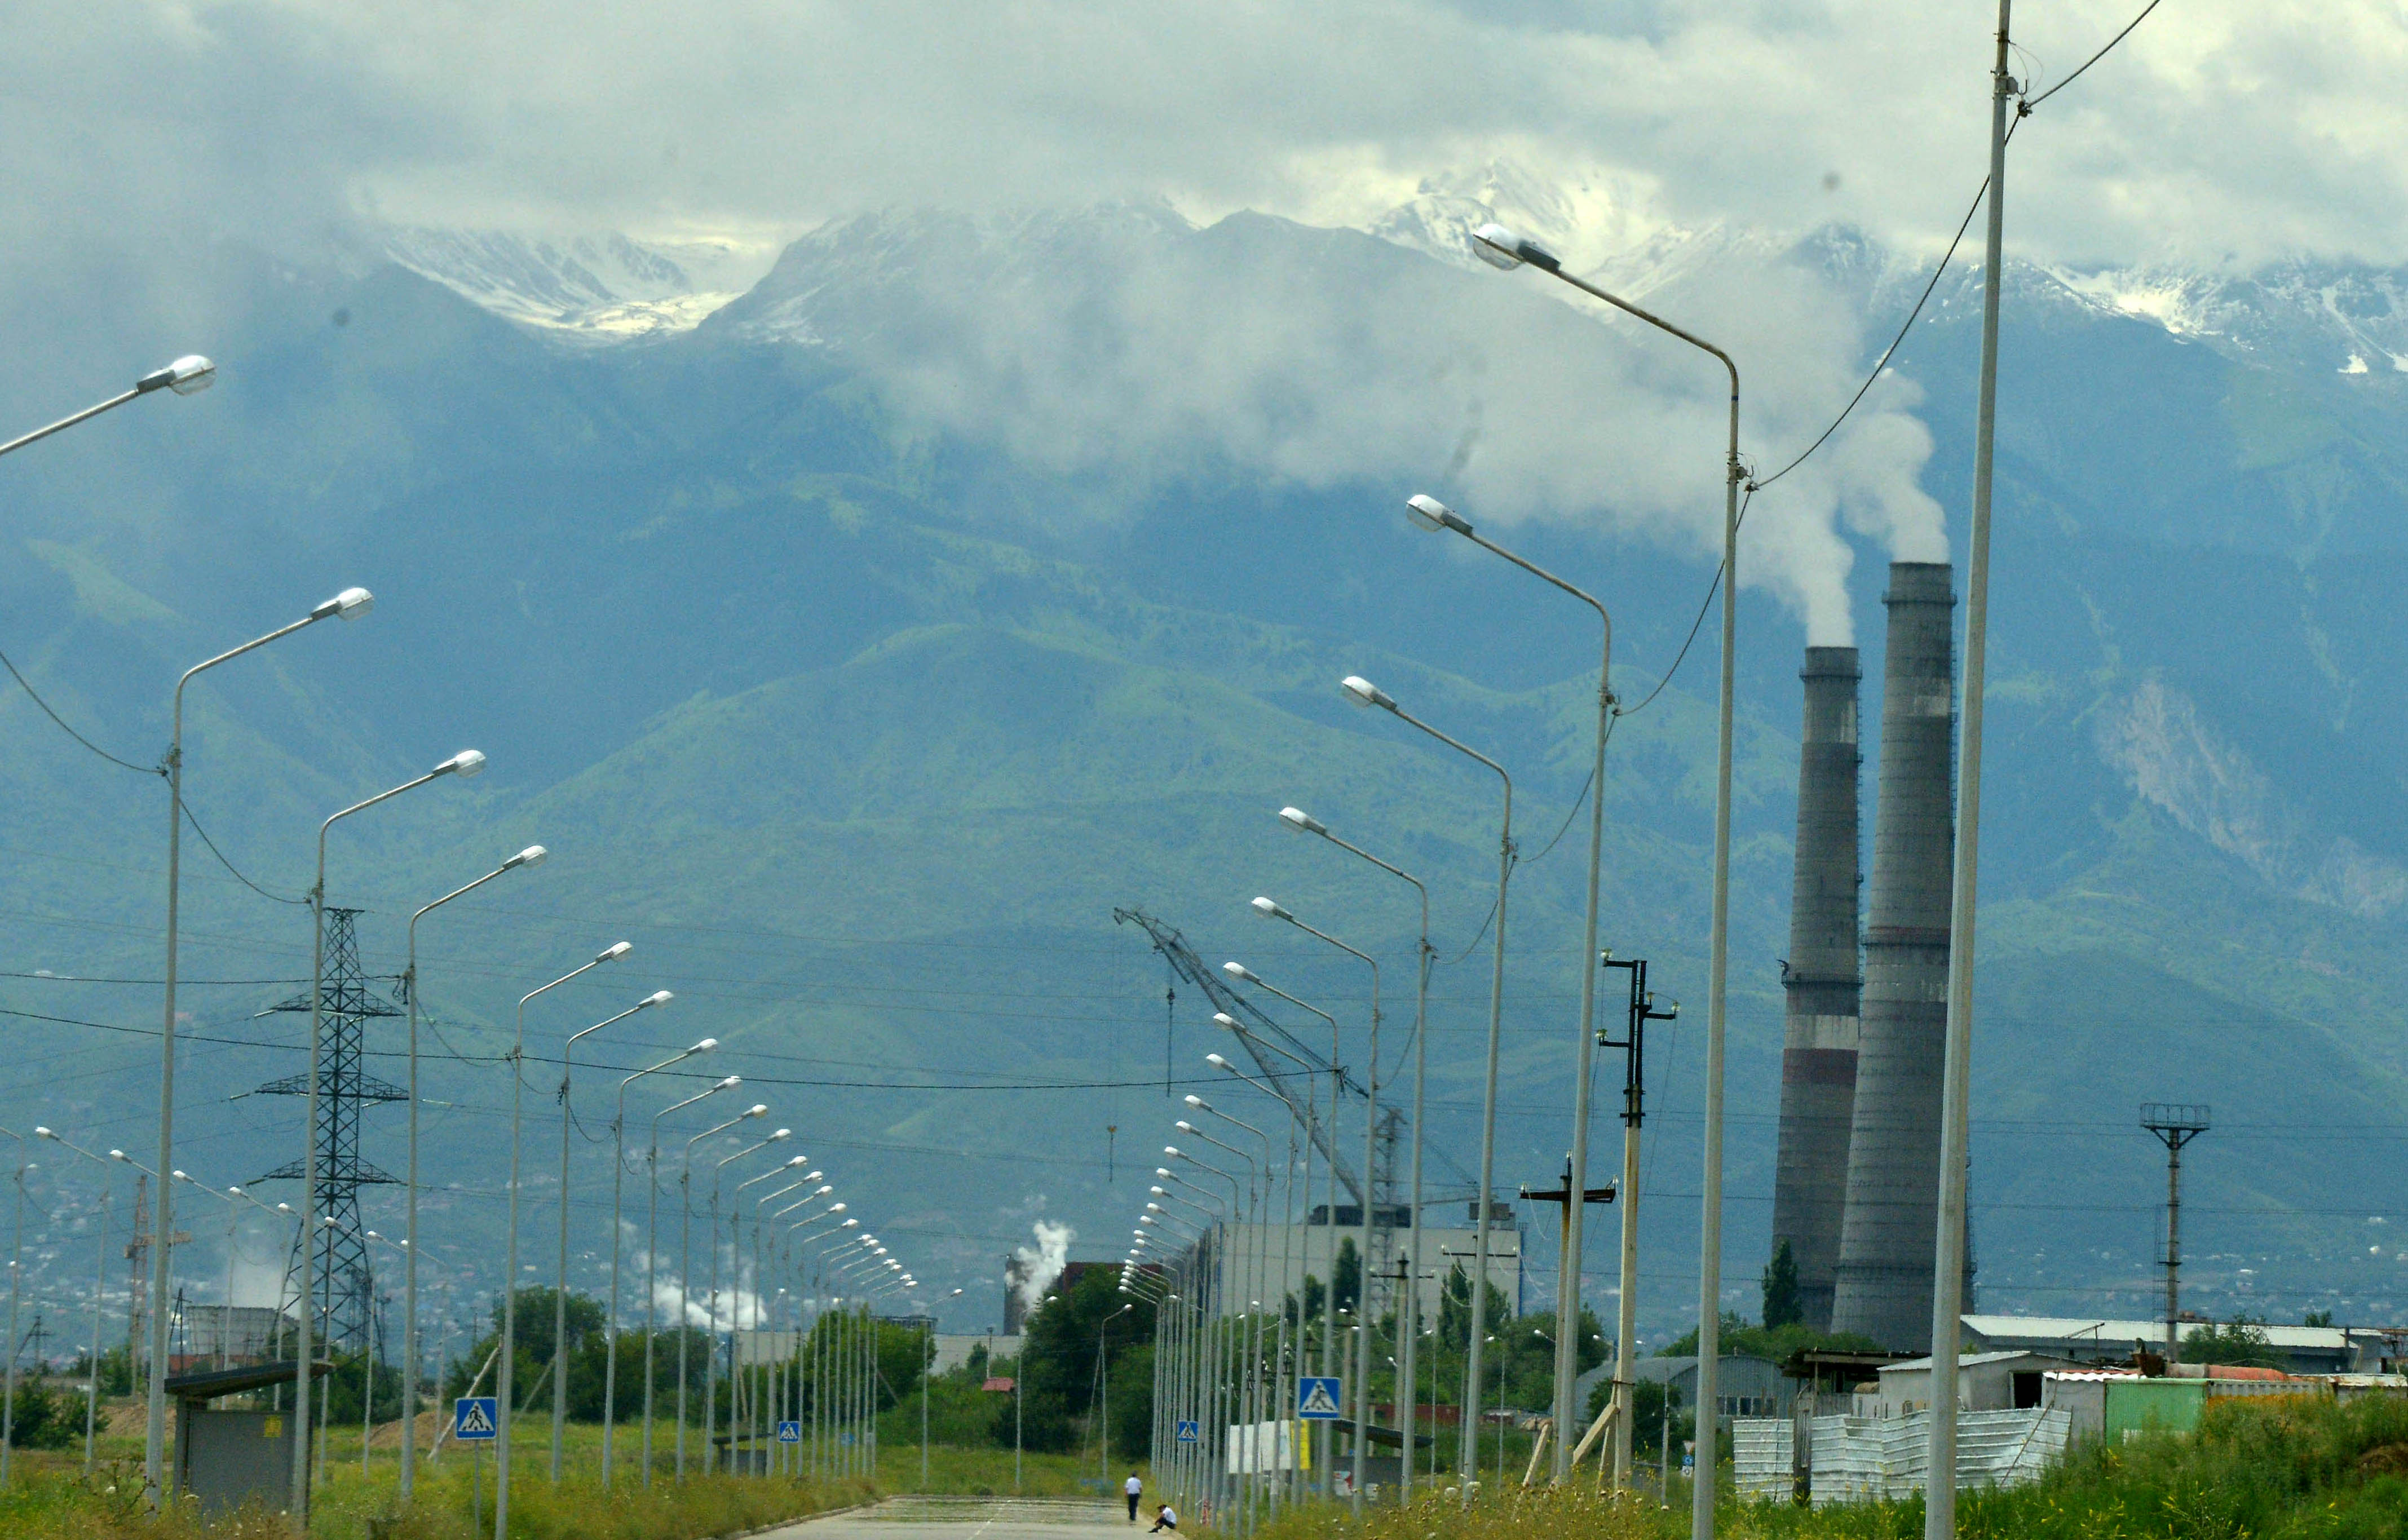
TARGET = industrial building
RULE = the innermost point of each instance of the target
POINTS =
(1271, 1262)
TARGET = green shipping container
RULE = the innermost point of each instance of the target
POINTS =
(2163, 1405)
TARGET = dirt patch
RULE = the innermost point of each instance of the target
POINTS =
(2383, 1460)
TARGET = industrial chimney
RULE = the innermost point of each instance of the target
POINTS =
(1881, 1287)
(1821, 978)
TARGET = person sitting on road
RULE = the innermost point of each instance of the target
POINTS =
(1164, 1520)
(1130, 1488)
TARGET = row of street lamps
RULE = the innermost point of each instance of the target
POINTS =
(1501, 247)
(185, 377)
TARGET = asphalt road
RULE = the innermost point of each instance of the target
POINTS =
(966, 1518)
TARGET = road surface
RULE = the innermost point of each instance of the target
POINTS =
(966, 1518)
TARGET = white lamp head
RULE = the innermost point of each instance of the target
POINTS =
(757, 1109)
(188, 375)
(1302, 821)
(1163, 1171)
(1362, 692)
(1216, 1060)
(730, 1083)
(704, 1046)
(838, 1208)
(779, 1134)
(1269, 910)
(532, 856)
(1243, 974)
(466, 763)
(1431, 514)
(40, 1133)
(658, 997)
(1197, 1102)
(117, 1155)
(614, 951)
(1500, 247)
(350, 604)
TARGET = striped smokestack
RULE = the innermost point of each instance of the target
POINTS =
(1818, 1052)
(1883, 1284)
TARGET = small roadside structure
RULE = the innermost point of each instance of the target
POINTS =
(227, 1457)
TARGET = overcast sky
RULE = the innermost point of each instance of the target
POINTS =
(2223, 129)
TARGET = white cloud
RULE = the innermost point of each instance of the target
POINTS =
(2222, 127)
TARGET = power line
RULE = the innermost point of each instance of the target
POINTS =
(62, 721)
(2024, 107)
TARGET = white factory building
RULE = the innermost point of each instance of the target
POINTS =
(1268, 1263)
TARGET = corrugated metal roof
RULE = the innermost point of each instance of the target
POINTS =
(2330, 1338)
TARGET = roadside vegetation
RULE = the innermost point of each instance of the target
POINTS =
(2282, 1468)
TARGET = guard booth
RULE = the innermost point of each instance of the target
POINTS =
(227, 1458)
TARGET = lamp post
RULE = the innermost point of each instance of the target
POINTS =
(1270, 910)
(16, 1287)
(461, 765)
(188, 375)
(1337, 1088)
(652, 1248)
(1430, 514)
(1363, 693)
(350, 604)
(99, 1290)
(504, 1381)
(618, 1185)
(532, 856)
(1283, 1377)
(686, 1248)
(560, 1295)
(1501, 247)
(1409, 1308)
(735, 1257)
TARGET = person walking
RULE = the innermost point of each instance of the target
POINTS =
(1132, 1488)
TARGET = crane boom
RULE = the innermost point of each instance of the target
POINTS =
(1258, 1025)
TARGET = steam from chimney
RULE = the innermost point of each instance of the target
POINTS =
(1041, 1263)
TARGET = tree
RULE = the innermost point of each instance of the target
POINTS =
(1346, 1276)
(1782, 1305)
(45, 1418)
(2240, 1342)
(2316, 1317)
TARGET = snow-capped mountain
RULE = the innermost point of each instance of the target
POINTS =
(599, 289)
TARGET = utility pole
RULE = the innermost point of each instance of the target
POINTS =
(2175, 1125)
(1957, 1075)
(1633, 1044)
(1567, 1363)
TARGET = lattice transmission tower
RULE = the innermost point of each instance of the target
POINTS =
(344, 1273)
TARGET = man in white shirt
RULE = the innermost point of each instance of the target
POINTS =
(1131, 1488)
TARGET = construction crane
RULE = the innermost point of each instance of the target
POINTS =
(1258, 1025)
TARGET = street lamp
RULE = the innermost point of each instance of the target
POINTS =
(710, 1360)
(1501, 247)
(560, 1295)
(653, 1249)
(1430, 514)
(532, 856)
(504, 1377)
(617, 1185)
(188, 375)
(1270, 910)
(350, 604)
(1363, 693)
(1305, 824)
(460, 766)
(685, 1247)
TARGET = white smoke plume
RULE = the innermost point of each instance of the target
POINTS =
(1121, 348)
(1041, 1263)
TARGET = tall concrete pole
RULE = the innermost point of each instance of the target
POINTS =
(1948, 1285)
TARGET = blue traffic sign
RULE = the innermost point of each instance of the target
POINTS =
(790, 1432)
(1320, 1398)
(475, 1419)
(1188, 1431)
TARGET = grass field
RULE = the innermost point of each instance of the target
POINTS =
(51, 1499)
(2275, 1469)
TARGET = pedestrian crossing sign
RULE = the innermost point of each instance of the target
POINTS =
(1188, 1431)
(790, 1432)
(474, 1418)
(1318, 1398)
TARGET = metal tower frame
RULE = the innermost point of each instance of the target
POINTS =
(344, 1274)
